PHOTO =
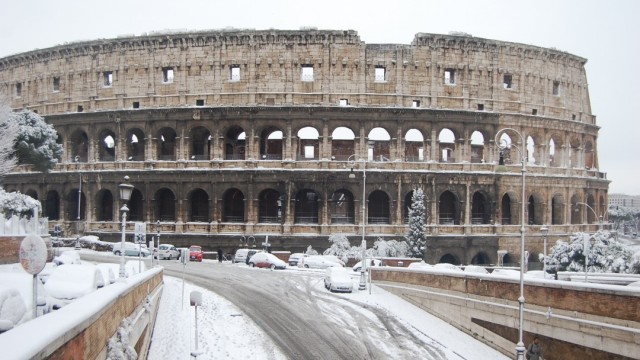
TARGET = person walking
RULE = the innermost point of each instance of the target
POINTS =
(534, 352)
(220, 254)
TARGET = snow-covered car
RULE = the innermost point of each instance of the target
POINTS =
(338, 279)
(334, 259)
(318, 262)
(370, 262)
(13, 310)
(195, 253)
(69, 282)
(266, 260)
(419, 266)
(168, 251)
(295, 258)
(67, 257)
(19, 286)
(475, 269)
(131, 249)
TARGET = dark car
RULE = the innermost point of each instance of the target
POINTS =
(195, 253)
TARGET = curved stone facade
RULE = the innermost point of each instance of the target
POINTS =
(251, 134)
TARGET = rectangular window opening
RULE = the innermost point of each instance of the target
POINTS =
(481, 107)
(507, 81)
(309, 152)
(136, 105)
(108, 78)
(415, 103)
(573, 116)
(167, 75)
(80, 108)
(449, 76)
(56, 84)
(344, 102)
(235, 73)
(307, 73)
(199, 102)
(534, 112)
(380, 74)
(556, 88)
(18, 89)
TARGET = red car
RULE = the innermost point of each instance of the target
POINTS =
(195, 253)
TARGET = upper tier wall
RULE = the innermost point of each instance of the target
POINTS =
(226, 68)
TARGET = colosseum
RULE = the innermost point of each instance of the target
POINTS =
(234, 137)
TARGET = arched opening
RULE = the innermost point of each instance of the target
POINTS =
(481, 258)
(308, 144)
(408, 200)
(200, 138)
(576, 211)
(557, 210)
(477, 147)
(165, 205)
(52, 205)
(575, 153)
(271, 144)
(535, 210)
(479, 209)
(342, 143)
(414, 146)
(270, 207)
(72, 205)
(135, 145)
(306, 211)
(449, 209)
(446, 145)
(107, 149)
(378, 146)
(342, 208)
(136, 206)
(79, 142)
(378, 208)
(233, 206)
(531, 151)
(199, 206)
(104, 205)
(449, 259)
(167, 144)
(589, 155)
(32, 194)
(505, 149)
(507, 213)
(235, 144)
(552, 153)
(591, 216)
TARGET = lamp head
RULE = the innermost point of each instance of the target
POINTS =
(125, 190)
(544, 230)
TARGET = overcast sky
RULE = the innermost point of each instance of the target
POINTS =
(607, 33)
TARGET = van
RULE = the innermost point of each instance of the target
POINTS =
(241, 255)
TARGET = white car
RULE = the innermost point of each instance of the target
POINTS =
(69, 282)
(266, 260)
(295, 258)
(370, 262)
(318, 262)
(131, 249)
(168, 251)
(338, 279)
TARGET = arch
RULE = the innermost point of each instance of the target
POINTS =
(508, 211)
(233, 202)
(107, 147)
(235, 144)
(308, 143)
(576, 209)
(557, 209)
(477, 147)
(135, 145)
(104, 205)
(306, 211)
(200, 138)
(378, 208)
(589, 155)
(342, 143)
(481, 258)
(574, 146)
(535, 213)
(136, 206)
(165, 205)
(531, 151)
(271, 145)
(449, 259)
(408, 200)
(449, 209)
(52, 205)
(198, 206)
(378, 148)
(552, 153)
(480, 209)
(342, 207)
(505, 149)
(32, 194)
(591, 216)
(79, 146)
(270, 204)
(167, 144)
(72, 205)
(446, 145)
(414, 146)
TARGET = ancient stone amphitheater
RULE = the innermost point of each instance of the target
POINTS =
(243, 135)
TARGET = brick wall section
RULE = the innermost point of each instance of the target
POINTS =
(601, 302)
(10, 249)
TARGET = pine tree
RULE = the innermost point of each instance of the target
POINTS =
(36, 141)
(417, 238)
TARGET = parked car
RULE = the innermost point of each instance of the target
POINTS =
(338, 279)
(69, 282)
(295, 258)
(318, 262)
(334, 259)
(370, 262)
(266, 260)
(195, 253)
(131, 249)
(168, 251)
(250, 253)
(240, 256)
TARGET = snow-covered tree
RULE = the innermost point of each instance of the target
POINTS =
(8, 134)
(15, 203)
(417, 237)
(388, 248)
(310, 251)
(36, 141)
(605, 254)
(622, 216)
(340, 247)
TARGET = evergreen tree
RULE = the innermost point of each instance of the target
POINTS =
(417, 237)
(36, 141)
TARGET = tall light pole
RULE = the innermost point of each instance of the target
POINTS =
(125, 195)
(544, 230)
(363, 277)
(520, 348)
(587, 241)
(158, 240)
(76, 159)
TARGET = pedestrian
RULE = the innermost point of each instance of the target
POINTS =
(534, 352)
(219, 254)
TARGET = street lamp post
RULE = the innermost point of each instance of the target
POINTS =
(125, 195)
(544, 230)
(520, 348)
(158, 239)
(587, 241)
(76, 159)
(363, 277)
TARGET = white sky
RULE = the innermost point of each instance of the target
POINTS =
(604, 32)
